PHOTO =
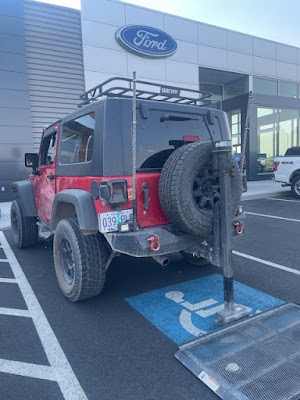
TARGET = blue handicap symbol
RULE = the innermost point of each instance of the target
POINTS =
(186, 310)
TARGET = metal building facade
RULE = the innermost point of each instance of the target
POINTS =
(41, 78)
(50, 54)
(54, 63)
(15, 117)
(219, 60)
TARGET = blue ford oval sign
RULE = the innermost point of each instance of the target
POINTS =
(145, 41)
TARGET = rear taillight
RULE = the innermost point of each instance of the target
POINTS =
(191, 138)
(275, 165)
(113, 192)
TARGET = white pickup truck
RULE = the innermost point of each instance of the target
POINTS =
(287, 170)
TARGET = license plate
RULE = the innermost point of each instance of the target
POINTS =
(110, 221)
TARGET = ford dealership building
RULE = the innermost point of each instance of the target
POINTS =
(49, 55)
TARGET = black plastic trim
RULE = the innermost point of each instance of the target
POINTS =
(25, 196)
(84, 206)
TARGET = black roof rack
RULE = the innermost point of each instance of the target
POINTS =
(123, 87)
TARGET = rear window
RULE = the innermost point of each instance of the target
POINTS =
(293, 151)
(161, 132)
(77, 140)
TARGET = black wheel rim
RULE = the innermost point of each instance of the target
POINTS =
(206, 189)
(14, 222)
(66, 261)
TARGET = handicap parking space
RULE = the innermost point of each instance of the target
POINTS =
(187, 310)
(121, 344)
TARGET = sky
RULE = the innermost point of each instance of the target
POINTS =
(277, 20)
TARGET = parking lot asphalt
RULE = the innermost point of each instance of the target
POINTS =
(114, 351)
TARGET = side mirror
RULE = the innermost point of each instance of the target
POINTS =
(32, 160)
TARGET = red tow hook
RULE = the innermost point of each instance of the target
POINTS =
(239, 227)
(154, 242)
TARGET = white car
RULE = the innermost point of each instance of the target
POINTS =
(287, 170)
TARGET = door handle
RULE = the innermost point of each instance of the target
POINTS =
(145, 188)
(50, 176)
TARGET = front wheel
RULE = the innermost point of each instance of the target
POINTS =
(79, 260)
(296, 186)
(194, 260)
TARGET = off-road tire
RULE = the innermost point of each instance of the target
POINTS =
(196, 261)
(24, 229)
(89, 254)
(295, 187)
(176, 187)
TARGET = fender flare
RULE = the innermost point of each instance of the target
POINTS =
(84, 205)
(25, 196)
(293, 174)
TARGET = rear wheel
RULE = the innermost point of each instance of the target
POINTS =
(296, 186)
(194, 260)
(24, 229)
(79, 260)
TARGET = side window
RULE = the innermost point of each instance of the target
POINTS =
(47, 149)
(77, 140)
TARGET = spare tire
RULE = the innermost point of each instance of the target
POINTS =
(189, 188)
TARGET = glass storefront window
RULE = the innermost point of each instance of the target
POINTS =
(235, 88)
(274, 88)
(264, 86)
(288, 130)
(277, 131)
(288, 89)
(234, 118)
(267, 128)
(216, 90)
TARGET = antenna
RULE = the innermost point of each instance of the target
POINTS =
(134, 208)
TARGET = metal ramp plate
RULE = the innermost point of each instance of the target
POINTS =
(257, 358)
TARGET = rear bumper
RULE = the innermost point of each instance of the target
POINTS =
(281, 178)
(137, 244)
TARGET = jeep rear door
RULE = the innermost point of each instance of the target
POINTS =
(45, 182)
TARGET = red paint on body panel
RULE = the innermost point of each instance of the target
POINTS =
(152, 217)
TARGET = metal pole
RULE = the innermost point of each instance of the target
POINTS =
(231, 312)
(246, 130)
(226, 232)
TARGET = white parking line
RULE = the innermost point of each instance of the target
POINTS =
(61, 370)
(272, 216)
(27, 369)
(269, 263)
(276, 198)
(15, 312)
(8, 280)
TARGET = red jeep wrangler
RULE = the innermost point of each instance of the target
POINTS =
(84, 190)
